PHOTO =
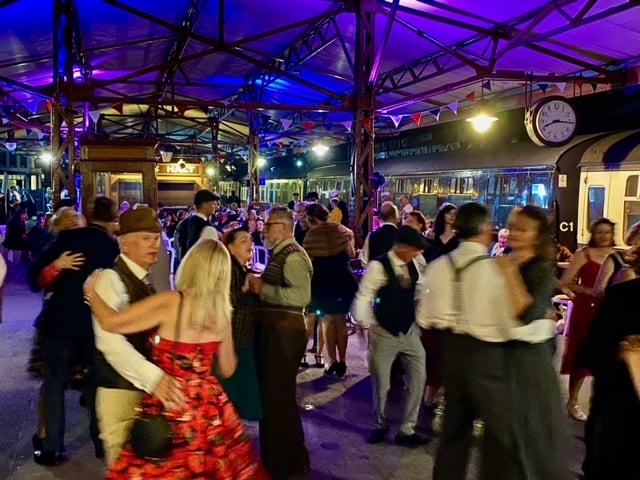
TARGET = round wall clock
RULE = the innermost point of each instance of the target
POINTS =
(551, 122)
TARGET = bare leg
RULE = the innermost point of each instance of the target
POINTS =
(321, 342)
(575, 384)
(329, 333)
(342, 336)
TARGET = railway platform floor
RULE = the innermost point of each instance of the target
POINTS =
(337, 414)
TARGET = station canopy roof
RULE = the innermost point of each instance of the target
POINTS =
(168, 69)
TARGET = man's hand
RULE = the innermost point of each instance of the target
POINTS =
(255, 284)
(69, 261)
(169, 392)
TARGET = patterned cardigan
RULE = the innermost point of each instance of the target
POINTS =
(243, 304)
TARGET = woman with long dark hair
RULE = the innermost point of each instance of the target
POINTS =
(538, 421)
(442, 237)
(578, 282)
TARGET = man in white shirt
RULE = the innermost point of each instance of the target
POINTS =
(380, 240)
(405, 205)
(465, 297)
(123, 369)
(385, 303)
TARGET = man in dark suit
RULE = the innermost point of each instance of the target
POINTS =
(612, 430)
(67, 327)
(380, 241)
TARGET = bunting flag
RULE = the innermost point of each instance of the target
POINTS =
(561, 86)
(347, 125)
(41, 134)
(580, 83)
(225, 102)
(95, 115)
(367, 123)
(453, 106)
(49, 105)
(269, 143)
(308, 126)
(286, 123)
(436, 113)
(487, 85)
(396, 119)
(543, 86)
(28, 131)
(471, 97)
(182, 109)
(5, 120)
(11, 146)
(209, 156)
(417, 117)
(280, 144)
(328, 126)
(119, 107)
(32, 107)
(594, 85)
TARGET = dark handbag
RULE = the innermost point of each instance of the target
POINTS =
(151, 436)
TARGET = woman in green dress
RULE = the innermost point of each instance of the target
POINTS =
(242, 387)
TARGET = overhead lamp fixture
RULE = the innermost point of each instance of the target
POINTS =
(482, 119)
(46, 157)
(320, 149)
(261, 161)
(210, 171)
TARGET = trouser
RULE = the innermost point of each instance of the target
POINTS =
(384, 348)
(61, 353)
(281, 345)
(474, 379)
(116, 412)
(611, 432)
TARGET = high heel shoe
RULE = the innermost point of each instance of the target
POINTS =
(319, 362)
(575, 412)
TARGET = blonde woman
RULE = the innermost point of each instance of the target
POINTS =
(208, 436)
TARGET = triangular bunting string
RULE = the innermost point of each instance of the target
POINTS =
(417, 117)
(561, 86)
(41, 134)
(396, 119)
(49, 105)
(5, 120)
(269, 143)
(543, 86)
(580, 83)
(286, 123)
(209, 156)
(367, 123)
(95, 115)
(308, 126)
(119, 107)
(436, 113)
(453, 106)
(182, 109)
(594, 85)
(471, 97)
(487, 85)
(347, 125)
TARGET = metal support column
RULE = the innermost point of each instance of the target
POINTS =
(363, 119)
(62, 106)
(254, 154)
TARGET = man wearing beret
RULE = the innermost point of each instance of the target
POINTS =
(123, 369)
(66, 325)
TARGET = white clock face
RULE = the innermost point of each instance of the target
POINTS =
(556, 121)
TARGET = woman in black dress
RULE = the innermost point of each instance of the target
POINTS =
(442, 237)
(539, 421)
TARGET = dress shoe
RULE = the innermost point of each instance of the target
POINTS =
(412, 441)
(575, 412)
(319, 362)
(332, 369)
(48, 459)
(341, 369)
(378, 435)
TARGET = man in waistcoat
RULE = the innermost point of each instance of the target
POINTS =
(123, 369)
(197, 226)
(285, 290)
(380, 241)
(385, 303)
(66, 326)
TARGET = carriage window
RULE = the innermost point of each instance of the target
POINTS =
(596, 196)
(632, 186)
(631, 214)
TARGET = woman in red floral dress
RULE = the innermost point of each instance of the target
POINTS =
(209, 439)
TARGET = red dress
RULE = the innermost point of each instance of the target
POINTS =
(211, 442)
(582, 313)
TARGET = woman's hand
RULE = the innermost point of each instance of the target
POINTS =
(69, 261)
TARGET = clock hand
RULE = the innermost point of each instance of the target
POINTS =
(555, 121)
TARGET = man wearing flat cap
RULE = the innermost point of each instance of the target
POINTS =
(385, 303)
(197, 226)
(66, 326)
(123, 369)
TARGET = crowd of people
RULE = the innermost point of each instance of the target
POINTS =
(467, 319)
